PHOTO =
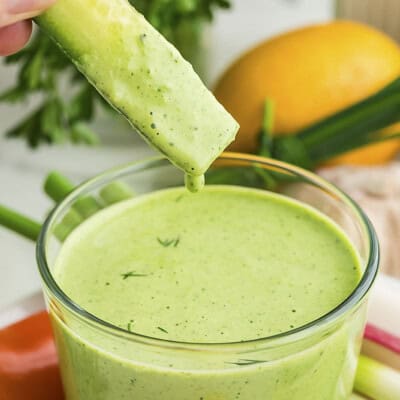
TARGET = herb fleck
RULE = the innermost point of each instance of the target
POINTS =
(244, 362)
(169, 242)
(131, 274)
(129, 326)
(162, 329)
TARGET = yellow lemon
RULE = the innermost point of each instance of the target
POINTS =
(310, 73)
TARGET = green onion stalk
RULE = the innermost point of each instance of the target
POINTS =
(376, 380)
(19, 223)
(352, 128)
(58, 187)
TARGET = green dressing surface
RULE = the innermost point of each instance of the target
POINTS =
(225, 265)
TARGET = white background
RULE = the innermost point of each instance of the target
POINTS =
(21, 171)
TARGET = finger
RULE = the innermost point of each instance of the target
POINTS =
(12, 11)
(24, 6)
(9, 19)
(14, 37)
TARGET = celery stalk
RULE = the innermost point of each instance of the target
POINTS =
(19, 223)
(144, 77)
(115, 192)
(376, 380)
(70, 221)
(57, 186)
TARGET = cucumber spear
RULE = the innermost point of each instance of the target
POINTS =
(144, 77)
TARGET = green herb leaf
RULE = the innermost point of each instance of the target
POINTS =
(265, 138)
(292, 150)
(81, 133)
(129, 325)
(169, 242)
(241, 176)
(82, 104)
(131, 274)
(13, 95)
(51, 121)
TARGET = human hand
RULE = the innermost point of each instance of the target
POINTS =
(15, 23)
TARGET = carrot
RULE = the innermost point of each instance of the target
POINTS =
(28, 361)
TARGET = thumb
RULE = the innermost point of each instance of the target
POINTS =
(14, 37)
(12, 11)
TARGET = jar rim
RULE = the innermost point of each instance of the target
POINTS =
(350, 303)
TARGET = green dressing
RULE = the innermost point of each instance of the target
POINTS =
(224, 265)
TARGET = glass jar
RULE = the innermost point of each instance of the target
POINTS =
(317, 361)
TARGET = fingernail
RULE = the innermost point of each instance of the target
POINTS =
(25, 6)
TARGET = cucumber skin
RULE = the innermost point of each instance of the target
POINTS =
(144, 78)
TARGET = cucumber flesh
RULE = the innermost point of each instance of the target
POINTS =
(144, 77)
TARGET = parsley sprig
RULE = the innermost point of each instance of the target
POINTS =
(45, 71)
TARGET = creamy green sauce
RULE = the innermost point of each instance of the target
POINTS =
(194, 183)
(227, 264)
(223, 265)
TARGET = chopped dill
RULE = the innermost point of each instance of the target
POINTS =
(169, 242)
(129, 326)
(244, 362)
(131, 274)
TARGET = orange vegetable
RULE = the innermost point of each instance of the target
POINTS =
(28, 361)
